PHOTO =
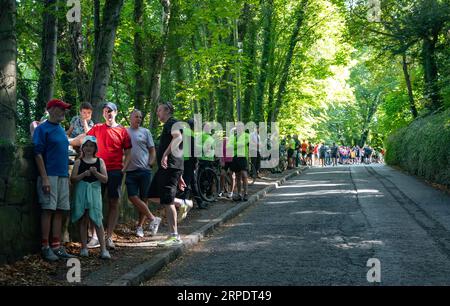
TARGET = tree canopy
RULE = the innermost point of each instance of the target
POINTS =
(349, 71)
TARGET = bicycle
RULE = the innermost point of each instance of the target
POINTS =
(208, 180)
(282, 161)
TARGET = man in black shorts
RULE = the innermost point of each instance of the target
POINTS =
(334, 153)
(239, 165)
(168, 177)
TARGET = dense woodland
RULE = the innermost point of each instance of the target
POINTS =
(349, 71)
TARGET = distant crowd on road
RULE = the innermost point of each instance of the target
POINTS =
(322, 154)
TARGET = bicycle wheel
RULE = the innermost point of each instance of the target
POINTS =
(228, 182)
(208, 184)
(283, 164)
(251, 173)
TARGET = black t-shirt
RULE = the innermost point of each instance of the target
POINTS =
(85, 166)
(164, 142)
(334, 150)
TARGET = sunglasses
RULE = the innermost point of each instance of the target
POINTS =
(169, 106)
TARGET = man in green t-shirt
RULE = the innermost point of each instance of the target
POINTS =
(240, 143)
(290, 143)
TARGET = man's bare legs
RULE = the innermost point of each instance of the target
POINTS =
(142, 207)
(238, 182)
(46, 218)
(171, 214)
(55, 224)
(113, 214)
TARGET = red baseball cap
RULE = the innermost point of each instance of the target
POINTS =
(58, 103)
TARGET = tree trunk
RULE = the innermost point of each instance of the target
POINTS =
(23, 94)
(156, 78)
(412, 104)
(67, 72)
(78, 62)
(300, 13)
(211, 111)
(174, 44)
(370, 113)
(249, 70)
(139, 94)
(97, 25)
(225, 98)
(48, 60)
(8, 74)
(272, 84)
(258, 114)
(67, 79)
(270, 98)
(103, 56)
(430, 69)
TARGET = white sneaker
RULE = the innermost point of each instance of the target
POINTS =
(154, 225)
(140, 231)
(84, 252)
(110, 244)
(230, 195)
(93, 243)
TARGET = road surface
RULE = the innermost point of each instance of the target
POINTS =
(322, 228)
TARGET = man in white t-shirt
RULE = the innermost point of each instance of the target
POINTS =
(139, 173)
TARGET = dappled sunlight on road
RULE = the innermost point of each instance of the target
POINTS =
(320, 173)
(208, 220)
(328, 192)
(316, 212)
(259, 183)
(312, 185)
(351, 242)
(237, 224)
(317, 193)
(279, 202)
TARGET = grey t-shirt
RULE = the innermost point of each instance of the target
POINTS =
(141, 140)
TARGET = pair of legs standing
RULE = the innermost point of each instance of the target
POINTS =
(54, 204)
(163, 190)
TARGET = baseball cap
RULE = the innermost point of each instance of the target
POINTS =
(58, 103)
(110, 105)
(89, 138)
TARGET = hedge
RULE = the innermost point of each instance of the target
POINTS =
(423, 148)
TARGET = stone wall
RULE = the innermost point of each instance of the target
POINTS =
(19, 210)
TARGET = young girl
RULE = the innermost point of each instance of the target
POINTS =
(89, 172)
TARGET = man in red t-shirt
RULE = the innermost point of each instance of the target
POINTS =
(304, 151)
(113, 143)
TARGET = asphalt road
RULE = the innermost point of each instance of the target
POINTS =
(321, 228)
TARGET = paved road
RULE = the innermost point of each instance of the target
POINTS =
(322, 227)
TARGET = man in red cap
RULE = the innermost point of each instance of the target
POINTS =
(51, 155)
